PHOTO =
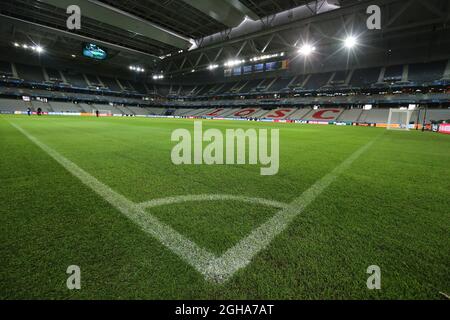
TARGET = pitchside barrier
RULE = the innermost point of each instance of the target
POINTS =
(444, 128)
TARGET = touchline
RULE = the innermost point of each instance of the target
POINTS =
(207, 147)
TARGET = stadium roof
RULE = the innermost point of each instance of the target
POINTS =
(149, 30)
(153, 27)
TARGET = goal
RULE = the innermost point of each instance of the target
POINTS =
(399, 119)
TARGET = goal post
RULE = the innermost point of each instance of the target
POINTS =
(399, 119)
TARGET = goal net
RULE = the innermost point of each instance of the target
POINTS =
(399, 119)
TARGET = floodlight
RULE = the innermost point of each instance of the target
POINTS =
(306, 50)
(350, 42)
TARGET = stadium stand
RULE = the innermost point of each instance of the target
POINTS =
(139, 110)
(318, 80)
(30, 73)
(351, 115)
(187, 90)
(279, 84)
(110, 83)
(364, 78)
(45, 107)
(226, 88)
(5, 69)
(299, 114)
(75, 79)
(375, 116)
(139, 87)
(163, 90)
(279, 114)
(53, 74)
(393, 74)
(426, 72)
(93, 80)
(63, 106)
(125, 85)
(323, 115)
(435, 115)
(360, 79)
(249, 85)
(12, 105)
(340, 78)
(263, 85)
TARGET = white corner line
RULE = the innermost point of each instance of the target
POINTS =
(190, 252)
(242, 253)
(213, 268)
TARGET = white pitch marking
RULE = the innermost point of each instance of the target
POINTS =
(212, 197)
(242, 253)
(216, 269)
(197, 257)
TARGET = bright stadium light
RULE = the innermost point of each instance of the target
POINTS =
(267, 56)
(350, 42)
(232, 63)
(306, 50)
(38, 49)
(137, 69)
(213, 66)
(35, 48)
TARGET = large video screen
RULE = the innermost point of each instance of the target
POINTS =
(259, 67)
(247, 69)
(272, 66)
(94, 52)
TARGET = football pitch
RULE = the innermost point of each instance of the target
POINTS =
(104, 195)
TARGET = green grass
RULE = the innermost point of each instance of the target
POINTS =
(391, 208)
